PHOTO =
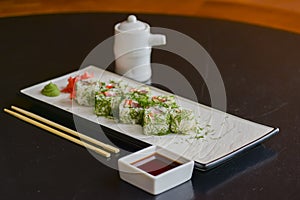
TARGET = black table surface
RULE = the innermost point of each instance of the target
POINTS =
(260, 68)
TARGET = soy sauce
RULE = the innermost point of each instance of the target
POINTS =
(156, 164)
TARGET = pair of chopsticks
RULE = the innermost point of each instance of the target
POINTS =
(60, 133)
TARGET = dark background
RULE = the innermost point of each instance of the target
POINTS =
(260, 68)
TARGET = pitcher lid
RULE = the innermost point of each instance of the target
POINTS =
(131, 24)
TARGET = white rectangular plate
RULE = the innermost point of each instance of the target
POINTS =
(224, 135)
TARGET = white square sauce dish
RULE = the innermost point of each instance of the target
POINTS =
(155, 169)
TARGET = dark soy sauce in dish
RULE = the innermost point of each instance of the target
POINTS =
(156, 164)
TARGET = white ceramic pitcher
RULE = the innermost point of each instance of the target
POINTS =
(132, 48)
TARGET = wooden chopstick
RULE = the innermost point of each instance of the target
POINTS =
(56, 132)
(68, 130)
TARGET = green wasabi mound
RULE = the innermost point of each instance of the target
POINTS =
(51, 90)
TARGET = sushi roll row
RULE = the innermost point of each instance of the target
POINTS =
(159, 115)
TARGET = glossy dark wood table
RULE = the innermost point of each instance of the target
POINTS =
(260, 68)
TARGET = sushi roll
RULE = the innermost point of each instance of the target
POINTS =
(107, 101)
(182, 120)
(156, 121)
(85, 92)
(165, 101)
(130, 112)
(132, 107)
